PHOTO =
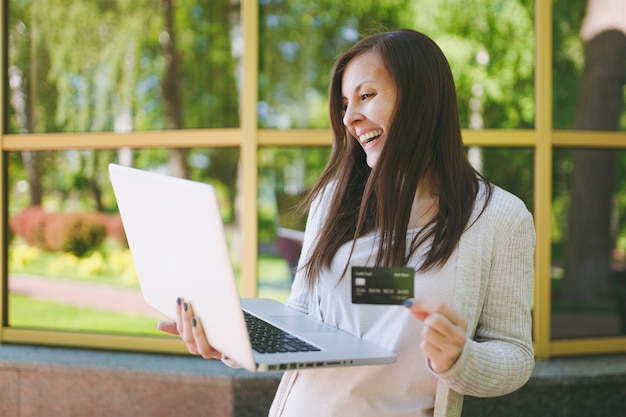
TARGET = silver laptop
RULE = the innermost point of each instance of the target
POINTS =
(178, 245)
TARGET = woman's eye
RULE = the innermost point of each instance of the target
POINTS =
(365, 96)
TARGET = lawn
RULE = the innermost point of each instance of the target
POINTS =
(115, 269)
(26, 312)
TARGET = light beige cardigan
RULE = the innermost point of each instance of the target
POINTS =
(493, 291)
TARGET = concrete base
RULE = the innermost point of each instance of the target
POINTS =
(563, 387)
(42, 381)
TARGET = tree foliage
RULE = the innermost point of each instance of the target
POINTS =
(298, 42)
(100, 65)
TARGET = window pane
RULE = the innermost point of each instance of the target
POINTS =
(69, 263)
(589, 243)
(589, 57)
(96, 65)
(509, 168)
(284, 175)
(490, 49)
(298, 41)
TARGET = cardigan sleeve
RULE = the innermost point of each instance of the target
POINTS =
(499, 358)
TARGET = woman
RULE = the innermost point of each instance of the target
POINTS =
(398, 190)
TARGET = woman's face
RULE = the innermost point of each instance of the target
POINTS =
(369, 97)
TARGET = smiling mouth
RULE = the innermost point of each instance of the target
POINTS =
(370, 136)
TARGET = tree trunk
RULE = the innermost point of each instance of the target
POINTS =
(590, 238)
(92, 180)
(32, 167)
(32, 164)
(178, 165)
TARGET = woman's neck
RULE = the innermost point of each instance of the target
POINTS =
(425, 206)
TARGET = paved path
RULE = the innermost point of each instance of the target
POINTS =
(111, 298)
(82, 294)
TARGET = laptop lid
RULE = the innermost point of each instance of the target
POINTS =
(178, 244)
(176, 238)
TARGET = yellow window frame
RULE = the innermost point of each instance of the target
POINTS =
(248, 138)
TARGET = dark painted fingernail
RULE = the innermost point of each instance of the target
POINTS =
(408, 303)
(178, 301)
(194, 322)
(185, 306)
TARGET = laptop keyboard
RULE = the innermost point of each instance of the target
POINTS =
(266, 338)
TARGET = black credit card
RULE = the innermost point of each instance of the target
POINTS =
(381, 285)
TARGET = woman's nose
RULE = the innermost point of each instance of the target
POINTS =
(351, 115)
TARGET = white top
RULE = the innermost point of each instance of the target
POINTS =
(488, 279)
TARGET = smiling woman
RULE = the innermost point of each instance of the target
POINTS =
(408, 198)
(237, 92)
(368, 90)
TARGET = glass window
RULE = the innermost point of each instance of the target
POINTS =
(298, 41)
(88, 66)
(491, 50)
(102, 66)
(589, 84)
(285, 174)
(508, 168)
(589, 243)
(69, 263)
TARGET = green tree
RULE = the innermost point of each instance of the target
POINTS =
(491, 49)
(298, 42)
(110, 66)
(208, 84)
(591, 236)
(73, 77)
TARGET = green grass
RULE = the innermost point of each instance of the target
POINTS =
(26, 312)
(113, 268)
(274, 277)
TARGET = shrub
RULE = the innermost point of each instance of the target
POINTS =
(115, 230)
(77, 233)
(30, 224)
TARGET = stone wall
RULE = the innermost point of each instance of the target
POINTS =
(42, 382)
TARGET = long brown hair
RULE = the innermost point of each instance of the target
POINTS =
(423, 146)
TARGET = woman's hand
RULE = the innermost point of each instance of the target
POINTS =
(443, 334)
(189, 328)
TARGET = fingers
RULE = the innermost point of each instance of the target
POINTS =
(202, 344)
(444, 332)
(423, 309)
(190, 329)
(167, 327)
(442, 350)
(175, 328)
(186, 325)
(179, 315)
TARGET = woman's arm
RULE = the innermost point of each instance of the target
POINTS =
(500, 358)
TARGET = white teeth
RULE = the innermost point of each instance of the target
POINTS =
(369, 136)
